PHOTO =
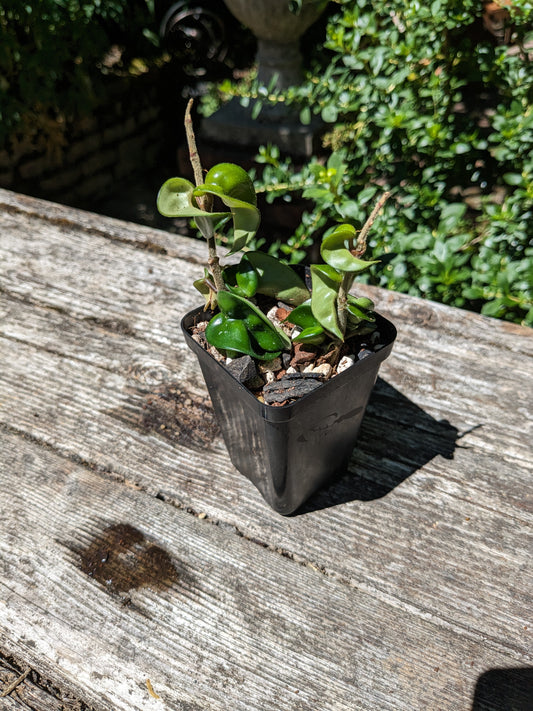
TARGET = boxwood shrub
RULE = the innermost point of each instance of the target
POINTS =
(419, 98)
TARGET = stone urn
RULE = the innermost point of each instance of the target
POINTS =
(278, 32)
(279, 63)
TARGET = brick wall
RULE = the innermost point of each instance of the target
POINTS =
(84, 158)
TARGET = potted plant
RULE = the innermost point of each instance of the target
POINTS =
(289, 359)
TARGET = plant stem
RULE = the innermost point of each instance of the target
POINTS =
(358, 251)
(360, 247)
(205, 202)
(342, 300)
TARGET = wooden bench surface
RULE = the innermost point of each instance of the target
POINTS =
(405, 585)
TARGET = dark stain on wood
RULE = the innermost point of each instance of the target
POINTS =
(180, 417)
(122, 559)
(169, 411)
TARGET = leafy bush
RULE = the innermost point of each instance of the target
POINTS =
(51, 56)
(418, 99)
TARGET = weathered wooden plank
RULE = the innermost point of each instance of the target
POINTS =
(32, 693)
(27, 210)
(447, 510)
(239, 627)
(156, 318)
(433, 537)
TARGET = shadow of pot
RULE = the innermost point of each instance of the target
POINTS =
(291, 451)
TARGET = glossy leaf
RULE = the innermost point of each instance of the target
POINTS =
(277, 279)
(325, 287)
(228, 334)
(266, 337)
(358, 309)
(335, 250)
(234, 187)
(242, 327)
(176, 199)
(241, 279)
(232, 180)
(246, 218)
(302, 316)
(362, 301)
(314, 335)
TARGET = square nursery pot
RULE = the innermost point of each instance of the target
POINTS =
(289, 452)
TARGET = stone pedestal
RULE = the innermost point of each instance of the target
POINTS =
(279, 63)
(233, 125)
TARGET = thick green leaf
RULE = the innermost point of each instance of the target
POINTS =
(325, 286)
(313, 335)
(232, 180)
(266, 337)
(263, 337)
(232, 336)
(228, 334)
(176, 199)
(246, 217)
(362, 301)
(277, 279)
(241, 279)
(335, 250)
(302, 316)
(361, 328)
(358, 312)
(357, 315)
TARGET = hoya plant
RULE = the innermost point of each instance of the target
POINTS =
(223, 204)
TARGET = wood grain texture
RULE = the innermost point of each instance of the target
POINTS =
(243, 627)
(429, 529)
(27, 691)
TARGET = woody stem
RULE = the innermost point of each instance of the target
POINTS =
(205, 202)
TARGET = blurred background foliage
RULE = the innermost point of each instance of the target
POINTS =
(416, 97)
(421, 99)
(55, 56)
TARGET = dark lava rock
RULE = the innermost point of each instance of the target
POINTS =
(285, 359)
(290, 387)
(242, 368)
(364, 353)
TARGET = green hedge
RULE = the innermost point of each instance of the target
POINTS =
(419, 99)
(51, 54)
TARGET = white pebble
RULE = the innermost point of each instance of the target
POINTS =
(271, 316)
(324, 369)
(345, 363)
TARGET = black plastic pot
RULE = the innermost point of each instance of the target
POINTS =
(289, 452)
